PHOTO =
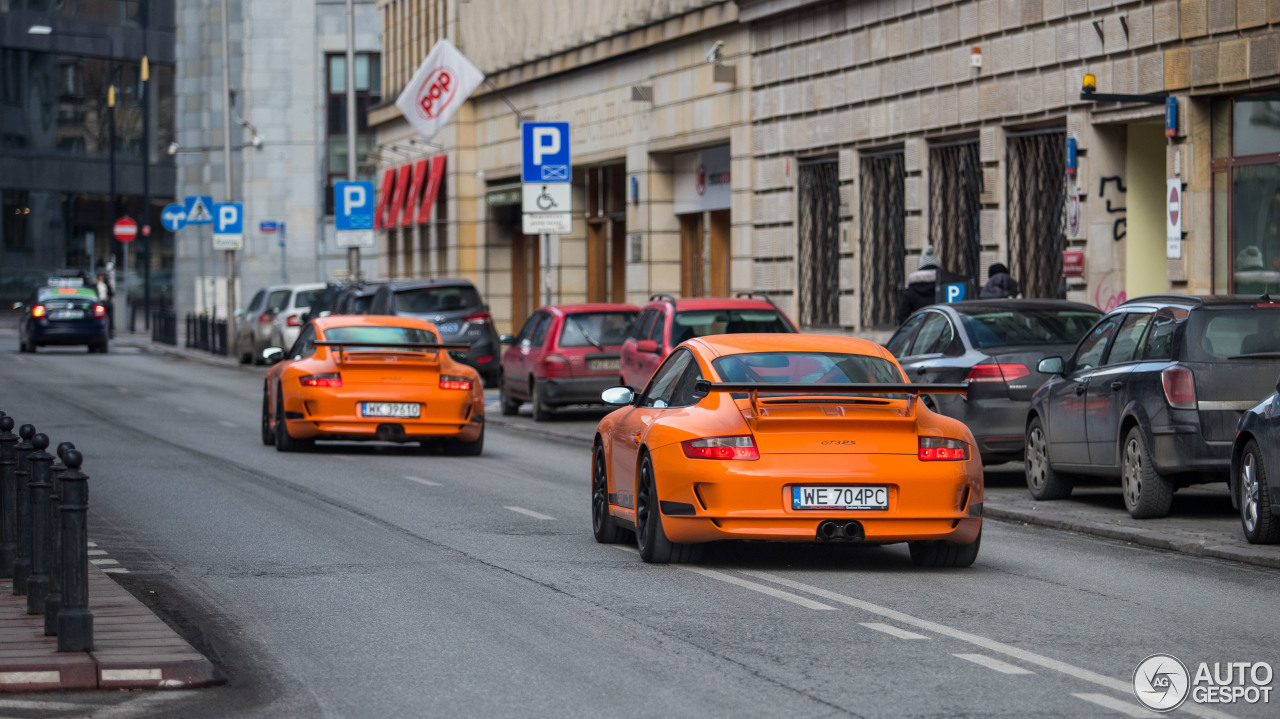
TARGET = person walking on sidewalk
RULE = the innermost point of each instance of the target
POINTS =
(1000, 283)
(921, 285)
(105, 294)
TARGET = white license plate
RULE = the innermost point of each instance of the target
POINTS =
(606, 363)
(390, 409)
(838, 497)
(66, 315)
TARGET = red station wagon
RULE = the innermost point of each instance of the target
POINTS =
(564, 354)
(665, 322)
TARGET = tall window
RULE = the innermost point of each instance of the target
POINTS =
(1246, 194)
(368, 93)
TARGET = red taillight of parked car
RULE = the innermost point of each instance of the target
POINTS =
(555, 366)
(37, 311)
(935, 449)
(294, 321)
(99, 312)
(452, 382)
(326, 379)
(996, 373)
(266, 317)
(478, 318)
(740, 447)
(1179, 387)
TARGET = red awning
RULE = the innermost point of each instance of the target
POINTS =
(397, 199)
(384, 195)
(415, 191)
(433, 188)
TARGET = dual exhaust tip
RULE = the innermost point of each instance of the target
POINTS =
(849, 531)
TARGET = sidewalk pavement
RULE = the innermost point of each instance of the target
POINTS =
(142, 341)
(133, 648)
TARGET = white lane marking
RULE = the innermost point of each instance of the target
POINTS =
(101, 562)
(1123, 687)
(1110, 702)
(738, 581)
(422, 481)
(52, 706)
(225, 423)
(529, 512)
(186, 410)
(892, 630)
(90, 544)
(996, 664)
(97, 552)
(115, 570)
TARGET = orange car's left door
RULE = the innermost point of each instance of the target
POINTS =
(629, 431)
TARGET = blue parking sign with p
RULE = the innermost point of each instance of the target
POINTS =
(353, 205)
(955, 291)
(545, 152)
(228, 218)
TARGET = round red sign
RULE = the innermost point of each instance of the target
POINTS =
(1175, 207)
(436, 92)
(125, 229)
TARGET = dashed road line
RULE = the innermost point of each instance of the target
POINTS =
(114, 570)
(97, 552)
(1109, 702)
(529, 513)
(892, 630)
(103, 562)
(225, 423)
(425, 482)
(740, 582)
(186, 410)
(996, 664)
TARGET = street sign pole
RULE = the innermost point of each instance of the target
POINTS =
(353, 254)
(226, 152)
(546, 176)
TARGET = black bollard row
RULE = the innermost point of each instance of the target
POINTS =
(44, 532)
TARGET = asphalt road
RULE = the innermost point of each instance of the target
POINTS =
(366, 580)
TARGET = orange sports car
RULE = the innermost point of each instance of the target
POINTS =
(369, 377)
(785, 437)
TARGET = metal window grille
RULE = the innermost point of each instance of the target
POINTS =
(820, 244)
(1037, 206)
(955, 187)
(883, 246)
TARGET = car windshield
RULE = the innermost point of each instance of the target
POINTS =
(1027, 326)
(603, 329)
(697, 323)
(805, 368)
(436, 299)
(1223, 334)
(305, 298)
(390, 335)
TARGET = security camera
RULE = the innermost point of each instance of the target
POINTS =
(714, 53)
(173, 148)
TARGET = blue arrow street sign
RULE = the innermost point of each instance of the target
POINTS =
(173, 217)
(199, 209)
(545, 154)
(353, 205)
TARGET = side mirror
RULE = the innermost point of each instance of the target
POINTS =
(18, 305)
(272, 354)
(1051, 365)
(648, 346)
(618, 396)
(306, 317)
(239, 314)
(507, 339)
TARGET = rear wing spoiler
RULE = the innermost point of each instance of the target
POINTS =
(754, 389)
(342, 347)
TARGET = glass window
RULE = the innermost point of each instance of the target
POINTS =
(661, 390)
(1256, 227)
(683, 394)
(1255, 127)
(338, 73)
(1089, 353)
(390, 335)
(1027, 327)
(531, 324)
(697, 323)
(1160, 340)
(362, 73)
(1224, 334)
(1128, 338)
(655, 330)
(806, 368)
(256, 303)
(304, 346)
(540, 332)
(934, 336)
(599, 329)
(901, 339)
(277, 300)
(450, 298)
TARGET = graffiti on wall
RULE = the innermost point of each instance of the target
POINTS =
(1109, 292)
(1120, 226)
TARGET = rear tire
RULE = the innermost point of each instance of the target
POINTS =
(541, 412)
(1042, 481)
(268, 434)
(603, 526)
(936, 553)
(102, 347)
(651, 540)
(1147, 493)
(284, 441)
(460, 448)
(510, 406)
(1260, 525)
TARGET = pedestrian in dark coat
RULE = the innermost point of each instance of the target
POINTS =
(1000, 283)
(921, 285)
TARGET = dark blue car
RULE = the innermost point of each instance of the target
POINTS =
(1255, 470)
(63, 316)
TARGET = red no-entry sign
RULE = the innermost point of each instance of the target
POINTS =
(125, 229)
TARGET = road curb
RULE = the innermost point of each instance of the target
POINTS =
(1146, 538)
(154, 347)
(496, 419)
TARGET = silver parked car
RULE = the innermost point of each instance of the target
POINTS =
(288, 319)
(256, 323)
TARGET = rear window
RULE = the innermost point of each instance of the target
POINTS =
(436, 299)
(1027, 327)
(586, 329)
(390, 335)
(1224, 334)
(306, 298)
(278, 299)
(805, 368)
(696, 323)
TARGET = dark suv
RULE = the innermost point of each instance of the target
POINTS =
(456, 309)
(1152, 395)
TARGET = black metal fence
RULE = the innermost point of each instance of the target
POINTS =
(164, 327)
(204, 333)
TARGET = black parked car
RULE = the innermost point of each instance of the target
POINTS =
(1255, 470)
(456, 309)
(1152, 395)
(994, 345)
(325, 302)
(355, 300)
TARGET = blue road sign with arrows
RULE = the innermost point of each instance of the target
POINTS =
(173, 217)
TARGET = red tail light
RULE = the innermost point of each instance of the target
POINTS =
(37, 311)
(556, 366)
(294, 321)
(99, 312)
(741, 447)
(266, 317)
(478, 318)
(1179, 387)
(997, 373)
(327, 379)
(935, 449)
(451, 382)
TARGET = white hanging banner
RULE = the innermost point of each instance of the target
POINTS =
(442, 83)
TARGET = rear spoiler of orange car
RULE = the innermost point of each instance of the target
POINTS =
(392, 347)
(754, 389)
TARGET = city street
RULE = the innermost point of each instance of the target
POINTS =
(375, 580)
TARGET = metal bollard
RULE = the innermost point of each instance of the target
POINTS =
(22, 476)
(75, 621)
(8, 500)
(53, 601)
(39, 462)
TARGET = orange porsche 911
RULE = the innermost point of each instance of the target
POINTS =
(785, 437)
(369, 377)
